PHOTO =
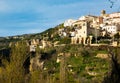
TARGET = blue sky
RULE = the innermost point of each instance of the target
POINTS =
(33, 16)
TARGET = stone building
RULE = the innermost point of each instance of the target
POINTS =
(81, 33)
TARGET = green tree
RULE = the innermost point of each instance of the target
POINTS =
(114, 74)
(117, 37)
(13, 71)
(63, 70)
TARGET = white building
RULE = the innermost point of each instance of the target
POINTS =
(32, 48)
(112, 29)
(112, 18)
(82, 18)
(69, 22)
(82, 31)
(114, 15)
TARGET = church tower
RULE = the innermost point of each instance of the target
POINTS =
(103, 12)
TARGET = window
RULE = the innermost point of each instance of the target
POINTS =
(80, 27)
(83, 24)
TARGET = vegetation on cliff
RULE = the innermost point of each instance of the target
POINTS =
(77, 63)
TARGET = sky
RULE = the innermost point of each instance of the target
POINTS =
(34, 16)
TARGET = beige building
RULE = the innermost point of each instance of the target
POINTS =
(81, 33)
(110, 22)
(36, 42)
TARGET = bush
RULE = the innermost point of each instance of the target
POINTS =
(65, 40)
(85, 53)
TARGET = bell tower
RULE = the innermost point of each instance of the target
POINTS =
(103, 12)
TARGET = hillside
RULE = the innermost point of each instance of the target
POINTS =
(63, 64)
(47, 33)
(60, 61)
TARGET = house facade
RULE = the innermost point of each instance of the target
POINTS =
(81, 32)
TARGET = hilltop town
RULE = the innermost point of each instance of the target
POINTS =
(87, 30)
(87, 27)
(85, 50)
